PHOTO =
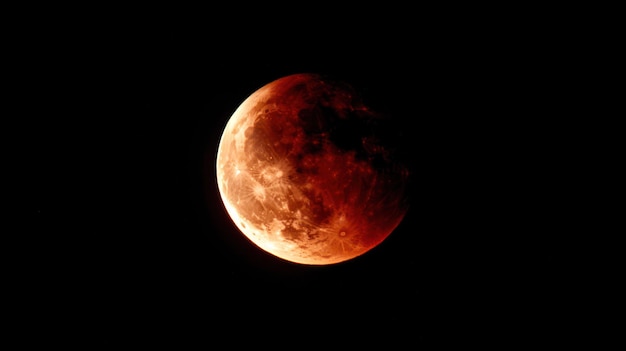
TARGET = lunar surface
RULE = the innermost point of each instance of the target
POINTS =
(304, 171)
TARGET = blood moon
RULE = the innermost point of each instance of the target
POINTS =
(305, 171)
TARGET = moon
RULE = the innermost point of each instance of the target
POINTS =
(306, 173)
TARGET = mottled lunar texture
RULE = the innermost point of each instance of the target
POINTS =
(305, 172)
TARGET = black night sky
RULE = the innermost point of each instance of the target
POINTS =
(143, 247)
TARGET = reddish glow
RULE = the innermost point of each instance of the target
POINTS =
(295, 170)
